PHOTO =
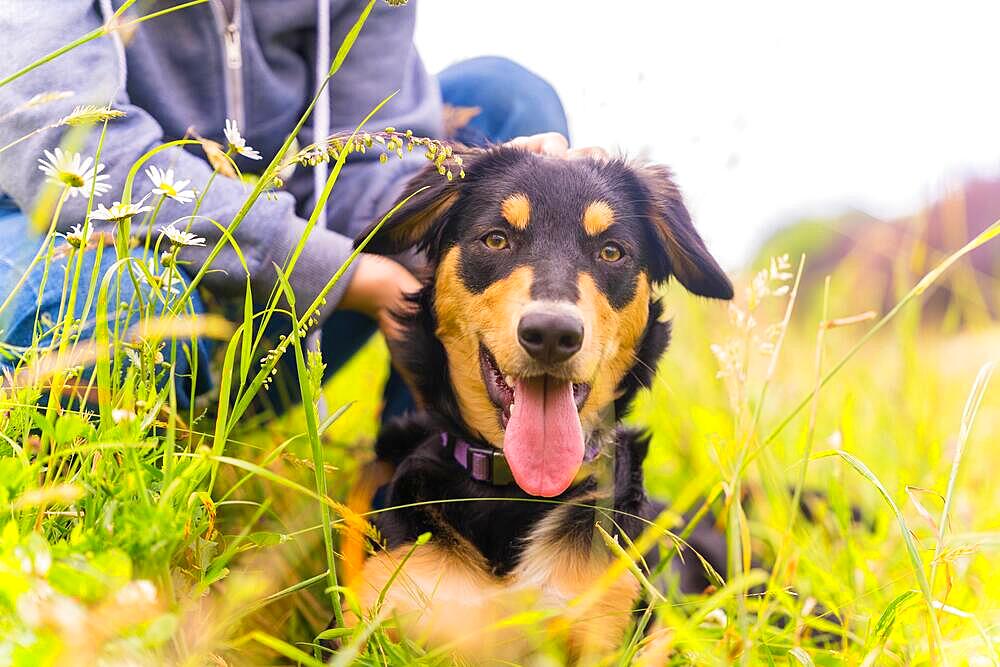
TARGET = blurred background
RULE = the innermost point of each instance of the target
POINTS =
(824, 121)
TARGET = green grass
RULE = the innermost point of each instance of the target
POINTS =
(896, 413)
(134, 531)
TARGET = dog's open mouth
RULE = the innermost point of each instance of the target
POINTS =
(543, 437)
(500, 387)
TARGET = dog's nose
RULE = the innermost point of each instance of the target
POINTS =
(550, 337)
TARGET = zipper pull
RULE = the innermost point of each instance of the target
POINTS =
(234, 53)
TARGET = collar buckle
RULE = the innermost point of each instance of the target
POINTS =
(484, 464)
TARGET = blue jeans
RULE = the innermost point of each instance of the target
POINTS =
(36, 305)
(512, 101)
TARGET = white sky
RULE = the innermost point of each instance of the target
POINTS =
(765, 109)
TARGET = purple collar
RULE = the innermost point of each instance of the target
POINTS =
(484, 464)
(488, 464)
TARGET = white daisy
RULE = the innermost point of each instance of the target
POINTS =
(164, 279)
(164, 184)
(78, 237)
(181, 237)
(119, 211)
(79, 175)
(236, 141)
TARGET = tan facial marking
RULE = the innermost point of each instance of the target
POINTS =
(464, 319)
(598, 217)
(617, 334)
(516, 210)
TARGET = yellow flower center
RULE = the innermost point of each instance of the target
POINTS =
(71, 179)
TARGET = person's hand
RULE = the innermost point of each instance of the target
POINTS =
(378, 288)
(555, 145)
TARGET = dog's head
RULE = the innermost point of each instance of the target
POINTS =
(540, 314)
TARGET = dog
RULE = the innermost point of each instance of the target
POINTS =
(538, 322)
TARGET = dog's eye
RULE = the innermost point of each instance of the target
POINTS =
(612, 252)
(496, 240)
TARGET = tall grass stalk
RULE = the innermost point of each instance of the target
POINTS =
(777, 571)
(307, 391)
(96, 33)
(972, 405)
(912, 549)
(929, 279)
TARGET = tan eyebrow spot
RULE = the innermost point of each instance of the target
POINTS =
(598, 217)
(516, 210)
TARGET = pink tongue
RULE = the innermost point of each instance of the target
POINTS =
(543, 443)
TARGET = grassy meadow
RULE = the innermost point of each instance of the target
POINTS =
(135, 531)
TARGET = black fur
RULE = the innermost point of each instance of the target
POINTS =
(653, 226)
(444, 213)
(426, 472)
(654, 229)
(497, 527)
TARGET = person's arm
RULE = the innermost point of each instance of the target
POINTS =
(95, 73)
(382, 61)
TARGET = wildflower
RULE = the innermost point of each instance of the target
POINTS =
(78, 236)
(236, 141)
(89, 113)
(77, 174)
(119, 211)
(181, 237)
(164, 184)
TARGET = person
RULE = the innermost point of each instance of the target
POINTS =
(241, 73)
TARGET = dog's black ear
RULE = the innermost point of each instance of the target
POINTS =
(682, 252)
(415, 222)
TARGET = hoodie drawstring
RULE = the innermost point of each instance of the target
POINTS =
(321, 125)
(321, 116)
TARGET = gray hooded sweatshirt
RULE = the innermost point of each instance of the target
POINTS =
(253, 61)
